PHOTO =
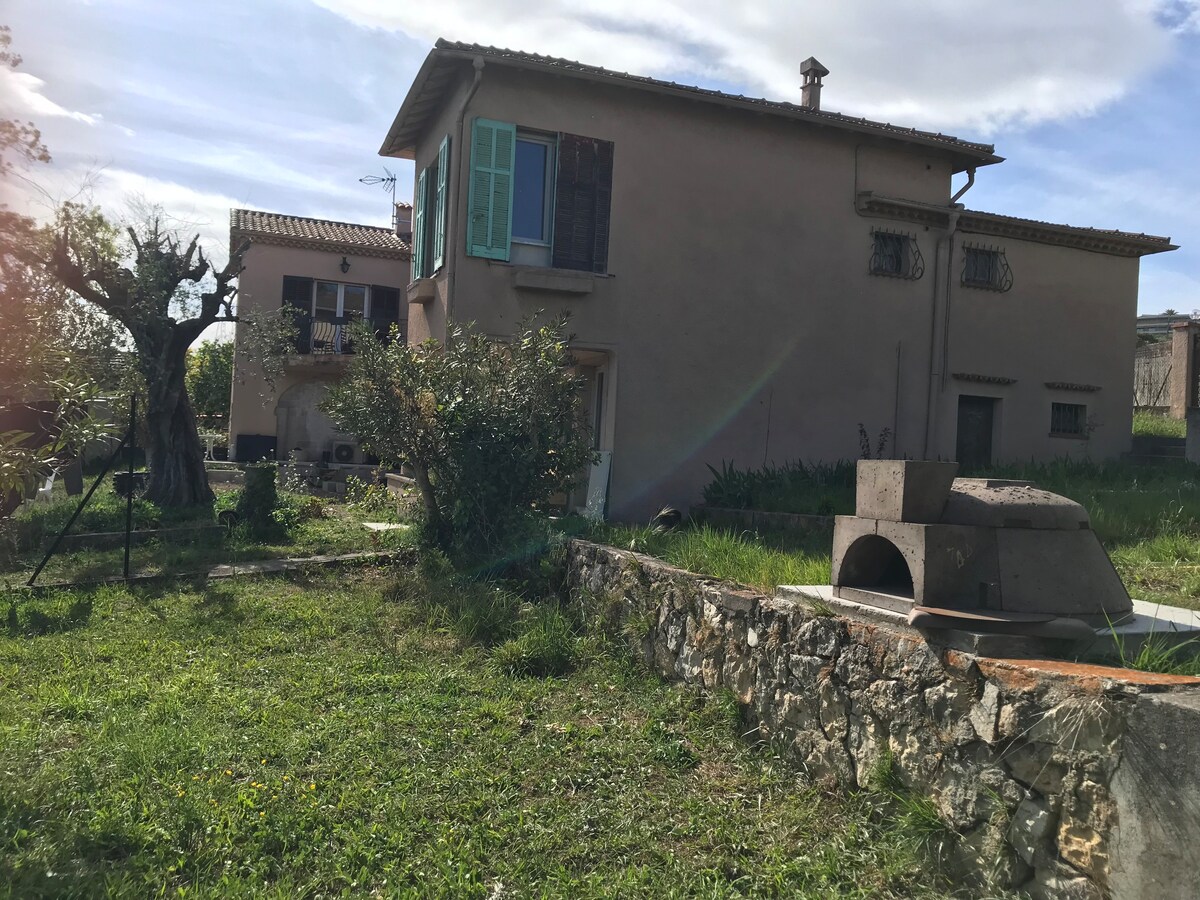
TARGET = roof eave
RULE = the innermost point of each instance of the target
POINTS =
(965, 157)
(1112, 243)
(389, 148)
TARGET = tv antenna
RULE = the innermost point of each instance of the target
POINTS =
(387, 181)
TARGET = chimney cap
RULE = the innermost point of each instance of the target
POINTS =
(811, 67)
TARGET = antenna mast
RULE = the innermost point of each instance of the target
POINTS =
(388, 182)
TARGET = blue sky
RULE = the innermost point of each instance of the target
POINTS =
(282, 104)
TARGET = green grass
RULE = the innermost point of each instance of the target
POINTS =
(310, 527)
(310, 737)
(763, 560)
(1157, 425)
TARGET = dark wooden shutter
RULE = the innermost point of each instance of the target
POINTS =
(385, 309)
(582, 201)
(298, 294)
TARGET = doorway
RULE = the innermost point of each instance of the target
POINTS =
(976, 424)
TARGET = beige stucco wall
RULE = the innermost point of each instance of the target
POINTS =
(740, 310)
(260, 289)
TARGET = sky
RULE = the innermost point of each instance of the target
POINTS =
(282, 105)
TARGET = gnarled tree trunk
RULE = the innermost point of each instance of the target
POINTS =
(140, 298)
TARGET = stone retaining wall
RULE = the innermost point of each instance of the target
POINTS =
(1059, 779)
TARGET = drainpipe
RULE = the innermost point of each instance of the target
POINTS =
(939, 317)
(459, 202)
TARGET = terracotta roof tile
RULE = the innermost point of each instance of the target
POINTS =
(276, 228)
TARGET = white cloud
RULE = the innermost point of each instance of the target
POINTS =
(21, 94)
(966, 64)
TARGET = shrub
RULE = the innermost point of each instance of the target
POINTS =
(259, 497)
(489, 429)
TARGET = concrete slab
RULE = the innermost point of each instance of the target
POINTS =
(1170, 624)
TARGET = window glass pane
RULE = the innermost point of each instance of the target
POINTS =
(529, 191)
(327, 297)
(355, 300)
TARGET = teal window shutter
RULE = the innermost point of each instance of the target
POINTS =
(439, 205)
(493, 146)
(418, 240)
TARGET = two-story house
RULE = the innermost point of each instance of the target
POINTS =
(328, 274)
(750, 280)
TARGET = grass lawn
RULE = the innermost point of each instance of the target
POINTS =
(310, 737)
(325, 526)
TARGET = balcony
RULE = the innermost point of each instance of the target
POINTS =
(329, 341)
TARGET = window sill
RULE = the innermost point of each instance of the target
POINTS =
(556, 281)
(423, 290)
(1068, 437)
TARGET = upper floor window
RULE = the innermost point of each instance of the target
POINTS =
(429, 215)
(539, 199)
(326, 309)
(987, 268)
(896, 255)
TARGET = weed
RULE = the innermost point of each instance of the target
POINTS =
(546, 646)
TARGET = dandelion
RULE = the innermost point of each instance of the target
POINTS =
(261, 814)
(264, 762)
(229, 772)
(312, 786)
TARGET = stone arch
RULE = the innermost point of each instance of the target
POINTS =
(300, 425)
(874, 563)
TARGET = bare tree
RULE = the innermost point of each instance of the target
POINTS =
(140, 295)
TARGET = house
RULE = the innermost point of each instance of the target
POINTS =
(750, 280)
(331, 273)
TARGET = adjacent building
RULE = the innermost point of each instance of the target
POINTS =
(331, 274)
(751, 281)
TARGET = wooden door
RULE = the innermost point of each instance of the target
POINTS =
(976, 419)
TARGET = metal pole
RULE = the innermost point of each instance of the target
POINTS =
(75, 515)
(129, 484)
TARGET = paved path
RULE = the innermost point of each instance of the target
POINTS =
(255, 567)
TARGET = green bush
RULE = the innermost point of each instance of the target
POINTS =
(489, 428)
(259, 497)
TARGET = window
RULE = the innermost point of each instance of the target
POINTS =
(323, 309)
(1068, 420)
(539, 199)
(986, 268)
(895, 255)
(533, 186)
(429, 215)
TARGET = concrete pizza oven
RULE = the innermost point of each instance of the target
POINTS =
(973, 553)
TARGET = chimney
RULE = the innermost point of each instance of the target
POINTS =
(402, 221)
(810, 92)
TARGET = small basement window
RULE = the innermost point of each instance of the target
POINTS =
(986, 268)
(1068, 420)
(896, 255)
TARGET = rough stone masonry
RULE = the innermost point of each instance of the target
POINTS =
(1059, 779)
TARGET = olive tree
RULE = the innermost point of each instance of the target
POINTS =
(489, 428)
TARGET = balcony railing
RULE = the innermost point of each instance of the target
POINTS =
(319, 337)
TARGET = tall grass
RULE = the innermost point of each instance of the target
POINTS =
(762, 560)
(794, 487)
(1152, 424)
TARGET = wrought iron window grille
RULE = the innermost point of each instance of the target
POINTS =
(1068, 419)
(895, 254)
(986, 268)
